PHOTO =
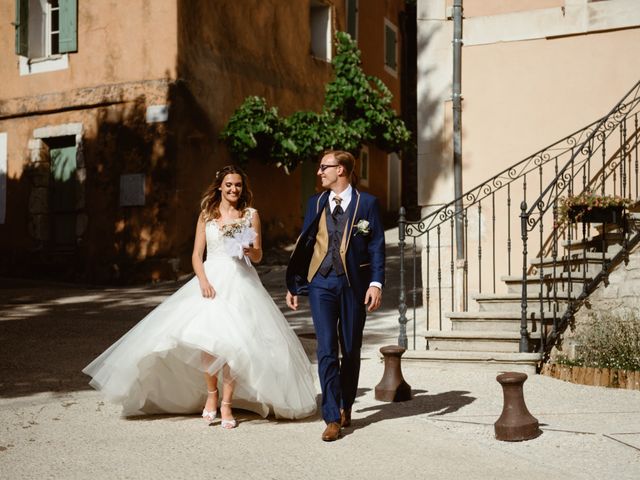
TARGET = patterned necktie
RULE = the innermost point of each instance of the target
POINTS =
(337, 210)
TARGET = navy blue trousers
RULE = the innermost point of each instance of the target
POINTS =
(338, 318)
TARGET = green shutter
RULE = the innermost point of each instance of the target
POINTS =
(390, 47)
(22, 27)
(352, 18)
(68, 26)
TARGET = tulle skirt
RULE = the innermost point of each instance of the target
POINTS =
(157, 367)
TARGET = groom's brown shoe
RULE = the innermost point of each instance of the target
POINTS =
(332, 432)
(345, 418)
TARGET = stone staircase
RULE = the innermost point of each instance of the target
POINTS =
(489, 337)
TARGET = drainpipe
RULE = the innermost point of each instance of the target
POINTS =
(457, 124)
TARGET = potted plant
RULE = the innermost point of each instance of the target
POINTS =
(591, 207)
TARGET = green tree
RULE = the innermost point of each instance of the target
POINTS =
(357, 110)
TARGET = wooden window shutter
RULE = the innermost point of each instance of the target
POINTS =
(68, 26)
(22, 27)
(390, 47)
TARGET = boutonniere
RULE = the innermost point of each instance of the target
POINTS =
(362, 227)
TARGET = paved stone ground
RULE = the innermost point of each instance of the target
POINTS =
(53, 426)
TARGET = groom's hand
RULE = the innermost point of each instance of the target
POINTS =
(372, 298)
(292, 301)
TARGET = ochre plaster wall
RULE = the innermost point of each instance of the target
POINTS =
(200, 58)
(371, 28)
(117, 43)
(223, 58)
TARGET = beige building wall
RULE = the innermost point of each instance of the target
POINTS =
(530, 76)
(483, 8)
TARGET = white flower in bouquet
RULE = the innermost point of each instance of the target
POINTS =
(238, 236)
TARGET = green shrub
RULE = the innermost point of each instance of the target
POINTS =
(609, 340)
(357, 110)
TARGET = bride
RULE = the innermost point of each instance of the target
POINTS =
(222, 325)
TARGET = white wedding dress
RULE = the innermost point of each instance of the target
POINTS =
(157, 367)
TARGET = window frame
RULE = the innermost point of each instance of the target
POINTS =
(365, 166)
(46, 57)
(49, 31)
(391, 26)
(321, 46)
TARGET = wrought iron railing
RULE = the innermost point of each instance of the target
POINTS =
(489, 217)
(606, 163)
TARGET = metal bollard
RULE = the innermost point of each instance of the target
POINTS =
(515, 423)
(392, 387)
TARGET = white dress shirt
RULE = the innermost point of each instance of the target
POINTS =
(345, 195)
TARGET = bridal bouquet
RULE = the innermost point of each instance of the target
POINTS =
(237, 236)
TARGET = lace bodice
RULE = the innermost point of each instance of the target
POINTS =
(215, 233)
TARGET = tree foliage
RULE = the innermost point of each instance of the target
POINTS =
(357, 110)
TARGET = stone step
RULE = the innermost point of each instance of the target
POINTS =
(509, 302)
(498, 321)
(576, 262)
(612, 240)
(563, 282)
(491, 361)
(474, 341)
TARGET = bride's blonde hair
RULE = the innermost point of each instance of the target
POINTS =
(213, 195)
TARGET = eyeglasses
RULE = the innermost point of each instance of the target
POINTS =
(323, 167)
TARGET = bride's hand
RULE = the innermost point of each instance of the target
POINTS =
(254, 254)
(207, 289)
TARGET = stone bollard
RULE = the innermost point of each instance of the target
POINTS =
(392, 387)
(515, 423)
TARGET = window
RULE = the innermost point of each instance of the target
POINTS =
(45, 29)
(3, 177)
(394, 187)
(390, 47)
(364, 166)
(58, 148)
(63, 191)
(351, 8)
(320, 22)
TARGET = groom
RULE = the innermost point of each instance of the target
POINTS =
(339, 262)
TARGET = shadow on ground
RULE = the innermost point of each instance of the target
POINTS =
(49, 332)
(421, 403)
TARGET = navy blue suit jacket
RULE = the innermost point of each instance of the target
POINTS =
(365, 252)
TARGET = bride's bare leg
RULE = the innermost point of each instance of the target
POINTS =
(211, 405)
(227, 396)
(212, 392)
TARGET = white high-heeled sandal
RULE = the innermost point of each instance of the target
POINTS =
(210, 416)
(228, 424)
